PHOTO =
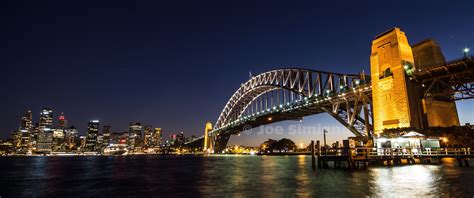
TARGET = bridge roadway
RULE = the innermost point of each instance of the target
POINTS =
(452, 81)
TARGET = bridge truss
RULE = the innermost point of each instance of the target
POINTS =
(451, 81)
(290, 94)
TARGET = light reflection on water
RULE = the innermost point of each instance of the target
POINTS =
(236, 176)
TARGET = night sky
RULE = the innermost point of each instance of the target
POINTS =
(174, 64)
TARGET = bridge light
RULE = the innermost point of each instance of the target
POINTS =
(466, 50)
(328, 91)
(357, 82)
(340, 86)
(269, 118)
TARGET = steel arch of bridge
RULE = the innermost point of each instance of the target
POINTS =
(343, 96)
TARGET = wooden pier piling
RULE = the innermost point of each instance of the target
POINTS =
(313, 162)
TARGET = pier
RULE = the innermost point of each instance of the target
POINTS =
(354, 158)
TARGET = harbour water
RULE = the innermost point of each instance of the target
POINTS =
(223, 175)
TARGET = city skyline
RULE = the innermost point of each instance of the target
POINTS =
(144, 67)
(60, 121)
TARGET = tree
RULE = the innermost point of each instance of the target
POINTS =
(286, 145)
(268, 145)
(280, 145)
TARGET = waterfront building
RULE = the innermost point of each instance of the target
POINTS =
(412, 140)
(44, 143)
(46, 120)
(119, 138)
(6, 147)
(70, 138)
(16, 140)
(92, 133)
(58, 139)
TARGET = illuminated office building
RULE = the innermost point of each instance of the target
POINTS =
(148, 137)
(134, 135)
(46, 120)
(92, 134)
(106, 135)
(62, 121)
(157, 136)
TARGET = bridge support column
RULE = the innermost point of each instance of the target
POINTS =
(207, 129)
(220, 143)
(393, 94)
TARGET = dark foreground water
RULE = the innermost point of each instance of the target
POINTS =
(243, 176)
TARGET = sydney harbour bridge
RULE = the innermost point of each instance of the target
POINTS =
(408, 86)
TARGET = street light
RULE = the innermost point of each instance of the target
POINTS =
(466, 51)
(445, 139)
(325, 147)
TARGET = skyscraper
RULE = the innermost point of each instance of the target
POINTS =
(27, 121)
(46, 120)
(106, 135)
(71, 138)
(58, 139)
(148, 137)
(26, 129)
(62, 121)
(134, 134)
(180, 139)
(92, 133)
(157, 137)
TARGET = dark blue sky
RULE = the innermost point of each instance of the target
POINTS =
(174, 64)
